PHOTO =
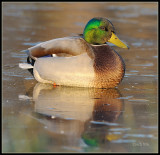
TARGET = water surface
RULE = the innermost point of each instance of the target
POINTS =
(42, 118)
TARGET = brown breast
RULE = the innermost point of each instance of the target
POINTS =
(109, 67)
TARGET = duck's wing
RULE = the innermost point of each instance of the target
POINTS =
(75, 70)
(68, 45)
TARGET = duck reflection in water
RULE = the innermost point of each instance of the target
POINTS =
(69, 113)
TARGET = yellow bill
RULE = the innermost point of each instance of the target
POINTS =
(116, 41)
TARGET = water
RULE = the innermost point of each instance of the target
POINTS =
(42, 118)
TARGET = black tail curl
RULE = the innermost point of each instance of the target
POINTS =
(30, 61)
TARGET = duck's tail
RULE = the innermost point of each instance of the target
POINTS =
(30, 63)
(25, 66)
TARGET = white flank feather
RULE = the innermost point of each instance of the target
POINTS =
(54, 55)
(25, 66)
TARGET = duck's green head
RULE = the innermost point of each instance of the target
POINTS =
(99, 31)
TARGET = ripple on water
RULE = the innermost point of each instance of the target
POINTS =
(136, 11)
(127, 97)
(130, 74)
(18, 55)
(116, 133)
(127, 89)
(139, 135)
(29, 78)
(31, 44)
(119, 129)
(137, 44)
(12, 74)
(147, 64)
(155, 56)
(149, 127)
(148, 75)
(123, 141)
(8, 66)
(134, 71)
(104, 123)
(139, 100)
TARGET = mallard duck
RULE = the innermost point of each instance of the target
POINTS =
(83, 61)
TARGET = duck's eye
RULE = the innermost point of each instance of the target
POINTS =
(103, 28)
